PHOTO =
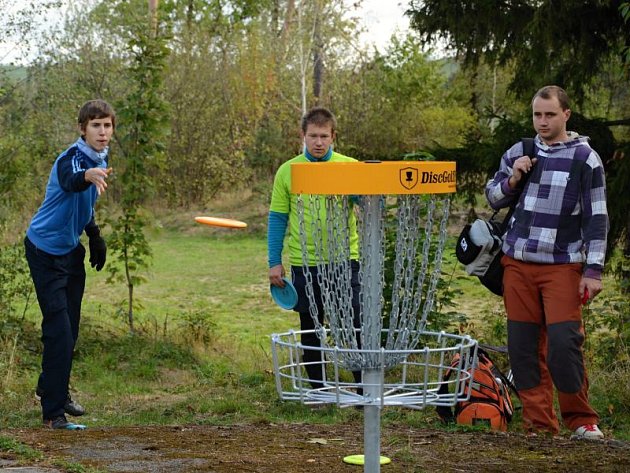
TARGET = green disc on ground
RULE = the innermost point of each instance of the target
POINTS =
(360, 460)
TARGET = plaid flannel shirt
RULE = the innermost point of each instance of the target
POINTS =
(561, 215)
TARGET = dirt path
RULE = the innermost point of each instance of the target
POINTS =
(295, 448)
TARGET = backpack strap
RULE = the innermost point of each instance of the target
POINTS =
(504, 379)
(445, 412)
(529, 149)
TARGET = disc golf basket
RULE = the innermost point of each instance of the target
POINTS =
(402, 362)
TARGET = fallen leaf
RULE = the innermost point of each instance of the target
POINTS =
(317, 440)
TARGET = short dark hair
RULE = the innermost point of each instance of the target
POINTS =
(550, 91)
(93, 109)
(319, 116)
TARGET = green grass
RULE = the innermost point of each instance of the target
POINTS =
(202, 354)
(24, 452)
(201, 351)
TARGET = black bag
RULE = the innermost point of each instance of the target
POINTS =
(479, 248)
(479, 244)
(493, 277)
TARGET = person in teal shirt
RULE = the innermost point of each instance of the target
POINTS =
(318, 132)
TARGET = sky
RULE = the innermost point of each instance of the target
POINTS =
(381, 18)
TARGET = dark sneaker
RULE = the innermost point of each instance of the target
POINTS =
(71, 407)
(61, 423)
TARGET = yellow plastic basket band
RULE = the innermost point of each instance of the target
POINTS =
(375, 177)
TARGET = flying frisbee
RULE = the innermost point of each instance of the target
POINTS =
(221, 222)
(360, 460)
(286, 297)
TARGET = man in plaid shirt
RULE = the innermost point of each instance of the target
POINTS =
(554, 249)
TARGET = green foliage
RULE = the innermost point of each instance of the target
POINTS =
(128, 241)
(268, 151)
(569, 53)
(624, 8)
(208, 112)
(196, 326)
(607, 325)
(140, 355)
(22, 174)
(143, 118)
(610, 388)
(8, 363)
(397, 103)
(618, 198)
(15, 283)
(14, 169)
(9, 445)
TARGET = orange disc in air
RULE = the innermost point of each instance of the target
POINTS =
(221, 222)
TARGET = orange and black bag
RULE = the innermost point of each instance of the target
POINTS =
(489, 404)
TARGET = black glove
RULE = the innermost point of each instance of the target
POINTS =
(98, 252)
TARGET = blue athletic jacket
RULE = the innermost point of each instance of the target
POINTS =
(68, 205)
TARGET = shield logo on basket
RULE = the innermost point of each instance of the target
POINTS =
(409, 177)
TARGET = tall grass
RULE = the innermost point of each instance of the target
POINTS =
(7, 361)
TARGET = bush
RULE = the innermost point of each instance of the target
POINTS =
(610, 392)
(15, 282)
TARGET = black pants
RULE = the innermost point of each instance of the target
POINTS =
(59, 283)
(313, 358)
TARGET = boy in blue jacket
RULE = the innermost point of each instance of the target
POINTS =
(55, 255)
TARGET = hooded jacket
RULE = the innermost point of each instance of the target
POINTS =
(68, 205)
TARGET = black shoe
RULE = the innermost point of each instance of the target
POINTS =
(61, 423)
(71, 407)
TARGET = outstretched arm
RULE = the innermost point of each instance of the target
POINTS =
(72, 178)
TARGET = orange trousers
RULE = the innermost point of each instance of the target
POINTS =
(545, 338)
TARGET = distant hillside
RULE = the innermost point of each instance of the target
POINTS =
(12, 73)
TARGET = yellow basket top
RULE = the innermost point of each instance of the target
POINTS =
(374, 177)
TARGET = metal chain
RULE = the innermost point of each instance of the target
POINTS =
(403, 286)
(326, 246)
(304, 243)
(437, 264)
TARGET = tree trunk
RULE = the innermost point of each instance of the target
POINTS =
(318, 60)
(190, 11)
(130, 308)
(130, 293)
(153, 17)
